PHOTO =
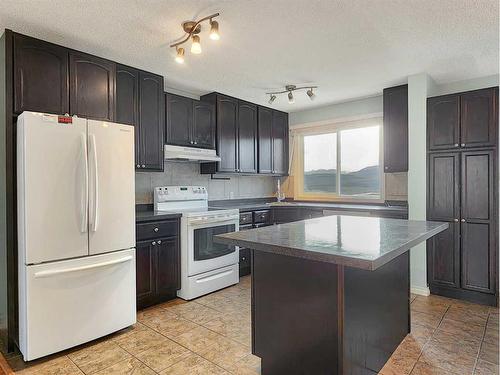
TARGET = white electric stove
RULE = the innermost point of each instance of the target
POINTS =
(206, 266)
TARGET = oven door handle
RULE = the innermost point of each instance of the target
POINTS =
(213, 221)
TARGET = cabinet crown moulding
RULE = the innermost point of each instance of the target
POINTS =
(191, 30)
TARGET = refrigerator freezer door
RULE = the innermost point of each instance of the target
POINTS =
(52, 189)
(111, 187)
(70, 302)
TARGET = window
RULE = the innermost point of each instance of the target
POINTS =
(340, 162)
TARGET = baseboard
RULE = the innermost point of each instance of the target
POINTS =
(420, 291)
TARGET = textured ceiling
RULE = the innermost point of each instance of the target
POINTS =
(350, 48)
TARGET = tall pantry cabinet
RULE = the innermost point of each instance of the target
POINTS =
(462, 180)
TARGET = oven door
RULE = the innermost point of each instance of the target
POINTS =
(203, 253)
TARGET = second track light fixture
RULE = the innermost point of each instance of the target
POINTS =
(290, 89)
(192, 29)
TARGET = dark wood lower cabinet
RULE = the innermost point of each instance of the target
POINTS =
(443, 254)
(157, 262)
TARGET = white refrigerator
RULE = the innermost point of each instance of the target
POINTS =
(76, 231)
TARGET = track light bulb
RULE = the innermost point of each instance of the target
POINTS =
(291, 100)
(310, 94)
(272, 98)
(214, 30)
(180, 56)
(196, 46)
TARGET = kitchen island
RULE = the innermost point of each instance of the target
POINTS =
(330, 295)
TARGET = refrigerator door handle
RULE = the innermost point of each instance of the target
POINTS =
(49, 273)
(85, 193)
(95, 187)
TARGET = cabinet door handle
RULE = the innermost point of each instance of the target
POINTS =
(155, 230)
(153, 243)
(159, 242)
(243, 258)
(463, 145)
(463, 220)
(195, 142)
(143, 166)
(138, 165)
(455, 220)
(456, 145)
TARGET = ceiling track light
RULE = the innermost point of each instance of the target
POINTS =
(192, 29)
(289, 89)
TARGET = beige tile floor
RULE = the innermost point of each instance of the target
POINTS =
(211, 335)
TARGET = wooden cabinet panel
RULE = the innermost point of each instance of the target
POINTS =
(479, 117)
(247, 138)
(478, 260)
(265, 143)
(443, 122)
(443, 251)
(152, 110)
(280, 143)
(40, 76)
(444, 187)
(127, 102)
(145, 272)
(227, 123)
(92, 86)
(203, 128)
(179, 120)
(168, 260)
(477, 185)
(396, 129)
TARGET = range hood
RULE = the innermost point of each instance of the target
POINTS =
(192, 154)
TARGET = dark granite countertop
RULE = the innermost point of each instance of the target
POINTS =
(354, 241)
(266, 203)
(146, 212)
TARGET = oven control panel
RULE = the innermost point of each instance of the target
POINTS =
(180, 193)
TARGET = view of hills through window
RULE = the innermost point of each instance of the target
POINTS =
(358, 154)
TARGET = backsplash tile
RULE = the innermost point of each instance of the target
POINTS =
(188, 174)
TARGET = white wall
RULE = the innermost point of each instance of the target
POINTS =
(360, 107)
(418, 86)
(189, 174)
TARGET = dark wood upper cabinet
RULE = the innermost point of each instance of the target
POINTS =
(179, 120)
(127, 95)
(40, 76)
(127, 103)
(203, 128)
(463, 120)
(444, 187)
(152, 123)
(92, 86)
(168, 278)
(396, 129)
(443, 119)
(265, 149)
(247, 137)
(227, 133)
(479, 114)
(280, 143)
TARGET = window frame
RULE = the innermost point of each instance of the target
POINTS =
(300, 194)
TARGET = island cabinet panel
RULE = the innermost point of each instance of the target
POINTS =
(179, 120)
(92, 86)
(40, 76)
(203, 132)
(265, 126)
(443, 122)
(396, 129)
(479, 116)
(152, 121)
(311, 317)
(247, 137)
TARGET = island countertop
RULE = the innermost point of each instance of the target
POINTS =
(360, 242)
